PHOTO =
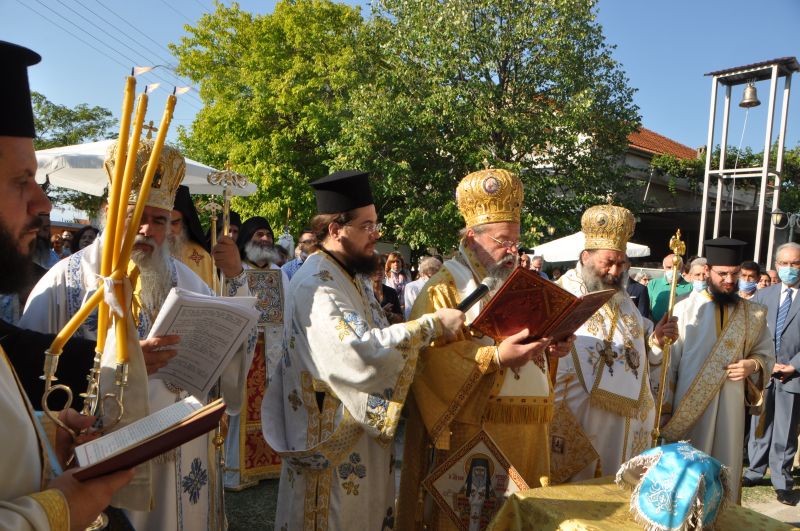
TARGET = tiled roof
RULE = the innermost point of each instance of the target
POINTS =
(646, 140)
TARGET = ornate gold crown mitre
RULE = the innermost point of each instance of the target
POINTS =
(489, 196)
(169, 174)
(607, 227)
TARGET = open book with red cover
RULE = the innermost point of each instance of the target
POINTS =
(526, 300)
(147, 438)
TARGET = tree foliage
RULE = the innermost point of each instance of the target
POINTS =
(528, 86)
(693, 170)
(276, 89)
(59, 125)
(420, 95)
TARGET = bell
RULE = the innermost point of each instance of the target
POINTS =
(749, 98)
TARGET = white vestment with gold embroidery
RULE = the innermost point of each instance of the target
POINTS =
(21, 460)
(605, 381)
(181, 490)
(719, 432)
(334, 400)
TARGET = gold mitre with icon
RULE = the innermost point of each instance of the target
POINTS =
(169, 174)
(489, 196)
(607, 227)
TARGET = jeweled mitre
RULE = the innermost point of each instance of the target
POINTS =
(169, 174)
(607, 227)
(489, 196)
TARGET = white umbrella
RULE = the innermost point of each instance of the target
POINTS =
(80, 167)
(568, 249)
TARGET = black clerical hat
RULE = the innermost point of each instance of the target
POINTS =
(185, 205)
(16, 116)
(342, 191)
(249, 228)
(724, 251)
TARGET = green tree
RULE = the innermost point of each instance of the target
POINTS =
(528, 86)
(275, 89)
(59, 125)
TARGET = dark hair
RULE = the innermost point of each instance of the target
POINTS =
(80, 233)
(321, 222)
(750, 266)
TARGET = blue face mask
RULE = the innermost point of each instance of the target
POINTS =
(699, 285)
(789, 275)
(747, 286)
(668, 276)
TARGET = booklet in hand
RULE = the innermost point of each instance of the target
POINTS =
(147, 438)
(526, 300)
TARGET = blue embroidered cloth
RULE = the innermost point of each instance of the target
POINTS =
(676, 487)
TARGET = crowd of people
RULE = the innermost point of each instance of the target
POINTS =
(350, 343)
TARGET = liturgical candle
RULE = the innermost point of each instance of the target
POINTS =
(113, 202)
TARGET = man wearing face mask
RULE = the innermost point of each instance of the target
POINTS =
(697, 275)
(748, 280)
(773, 434)
(658, 290)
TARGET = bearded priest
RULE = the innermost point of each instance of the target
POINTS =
(251, 270)
(334, 400)
(180, 497)
(605, 383)
(719, 365)
(473, 383)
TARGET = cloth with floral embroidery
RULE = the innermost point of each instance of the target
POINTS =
(676, 487)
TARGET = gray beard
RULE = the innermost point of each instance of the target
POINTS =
(156, 277)
(498, 273)
(594, 282)
(258, 255)
(177, 243)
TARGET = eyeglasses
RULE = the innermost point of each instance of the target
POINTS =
(731, 274)
(369, 227)
(787, 264)
(507, 244)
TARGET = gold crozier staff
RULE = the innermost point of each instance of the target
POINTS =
(678, 249)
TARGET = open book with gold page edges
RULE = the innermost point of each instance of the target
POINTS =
(527, 300)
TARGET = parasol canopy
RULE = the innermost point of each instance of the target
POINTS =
(80, 167)
(568, 249)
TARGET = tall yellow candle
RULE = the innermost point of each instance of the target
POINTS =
(113, 202)
(141, 201)
(127, 180)
(57, 346)
(147, 181)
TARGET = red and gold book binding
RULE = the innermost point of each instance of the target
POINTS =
(526, 300)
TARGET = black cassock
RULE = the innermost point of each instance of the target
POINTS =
(25, 350)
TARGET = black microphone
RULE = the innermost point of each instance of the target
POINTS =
(479, 293)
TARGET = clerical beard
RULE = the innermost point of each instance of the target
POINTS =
(260, 254)
(177, 242)
(720, 296)
(155, 273)
(498, 273)
(15, 270)
(357, 262)
(594, 281)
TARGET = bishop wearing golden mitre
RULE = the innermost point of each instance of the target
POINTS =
(473, 384)
(602, 389)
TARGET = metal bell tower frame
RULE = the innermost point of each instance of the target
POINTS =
(771, 70)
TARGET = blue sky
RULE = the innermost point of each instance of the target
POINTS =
(664, 47)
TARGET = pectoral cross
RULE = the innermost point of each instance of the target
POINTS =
(607, 355)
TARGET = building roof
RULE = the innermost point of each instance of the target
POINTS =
(756, 71)
(651, 142)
